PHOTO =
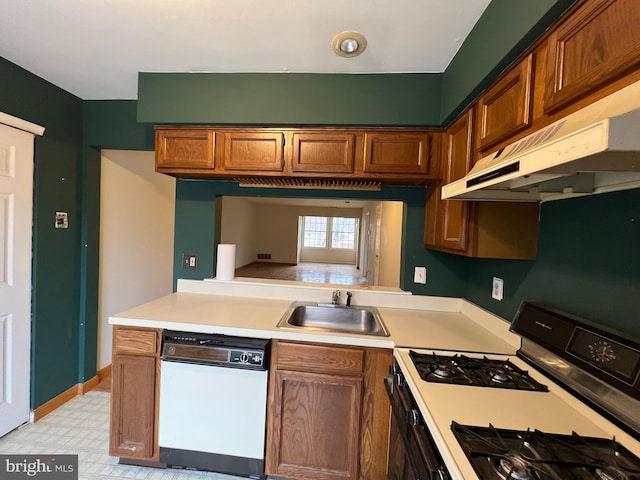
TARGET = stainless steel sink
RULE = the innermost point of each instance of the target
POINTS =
(328, 317)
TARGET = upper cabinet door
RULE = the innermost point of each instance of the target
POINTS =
(596, 45)
(396, 152)
(458, 157)
(184, 148)
(323, 152)
(253, 151)
(506, 107)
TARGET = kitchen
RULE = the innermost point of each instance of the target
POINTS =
(600, 265)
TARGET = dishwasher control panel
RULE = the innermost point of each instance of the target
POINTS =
(246, 357)
(213, 349)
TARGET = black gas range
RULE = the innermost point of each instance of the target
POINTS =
(566, 406)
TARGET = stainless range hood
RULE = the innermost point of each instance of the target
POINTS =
(594, 150)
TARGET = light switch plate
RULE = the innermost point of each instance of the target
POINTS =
(420, 275)
(497, 290)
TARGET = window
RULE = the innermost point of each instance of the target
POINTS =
(315, 232)
(343, 232)
(330, 232)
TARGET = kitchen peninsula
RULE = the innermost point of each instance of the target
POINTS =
(354, 365)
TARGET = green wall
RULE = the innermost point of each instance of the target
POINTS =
(56, 253)
(505, 30)
(289, 99)
(588, 263)
(197, 227)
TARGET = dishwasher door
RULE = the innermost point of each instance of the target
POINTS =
(213, 418)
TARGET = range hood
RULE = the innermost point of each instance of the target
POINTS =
(593, 150)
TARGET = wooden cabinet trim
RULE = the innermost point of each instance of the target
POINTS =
(505, 108)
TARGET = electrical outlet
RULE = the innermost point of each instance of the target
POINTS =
(497, 290)
(420, 275)
(189, 260)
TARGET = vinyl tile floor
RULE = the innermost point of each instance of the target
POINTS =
(81, 426)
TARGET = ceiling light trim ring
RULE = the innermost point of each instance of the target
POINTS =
(349, 44)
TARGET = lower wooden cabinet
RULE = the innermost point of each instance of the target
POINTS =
(328, 414)
(134, 394)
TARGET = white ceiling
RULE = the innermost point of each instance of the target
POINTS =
(95, 48)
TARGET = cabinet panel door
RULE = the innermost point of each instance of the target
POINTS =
(253, 151)
(133, 400)
(396, 152)
(506, 107)
(323, 152)
(314, 434)
(455, 213)
(184, 148)
(596, 45)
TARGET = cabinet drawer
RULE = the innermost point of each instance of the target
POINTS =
(135, 342)
(595, 46)
(319, 358)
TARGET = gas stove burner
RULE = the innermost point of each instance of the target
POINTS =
(443, 371)
(460, 369)
(513, 467)
(499, 376)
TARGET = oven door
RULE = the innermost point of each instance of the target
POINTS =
(412, 451)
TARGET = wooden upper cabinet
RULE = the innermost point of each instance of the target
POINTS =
(456, 164)
(253, 150)
(596, 45)
(184, 148)
(323, 152)
(396, 152)
(506, 107)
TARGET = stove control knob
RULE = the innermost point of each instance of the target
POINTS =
(413, 417)
(398, 380)
(439, 475)
(394, 369)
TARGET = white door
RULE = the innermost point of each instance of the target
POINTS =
(16, 191)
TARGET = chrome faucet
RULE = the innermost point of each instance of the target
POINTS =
(349, 295)
(334, 297)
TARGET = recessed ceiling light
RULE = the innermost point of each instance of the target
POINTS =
(349, 44)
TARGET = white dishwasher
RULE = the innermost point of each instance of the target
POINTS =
(213, 400)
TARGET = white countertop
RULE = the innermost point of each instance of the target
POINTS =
(254, 309)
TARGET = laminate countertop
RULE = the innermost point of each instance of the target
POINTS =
(253, 309)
